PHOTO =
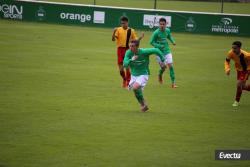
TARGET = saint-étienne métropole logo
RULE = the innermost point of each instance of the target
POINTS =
(12, 11)
(225, 26)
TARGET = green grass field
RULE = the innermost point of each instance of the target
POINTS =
(239, 8)
(61, 102)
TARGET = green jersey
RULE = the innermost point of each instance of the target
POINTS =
(159, 40)
(140, 65)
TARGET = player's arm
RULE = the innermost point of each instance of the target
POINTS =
(156, 52)
(153, 41)
(127, 59)
(115, 34)
(227, 64)
(170, 37)
(142, 36)
(134, 35)
(248, 56)
(159, 54)
(248, 60)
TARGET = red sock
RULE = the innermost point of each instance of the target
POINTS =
(238, 94)
(122, 73)
(128, 75)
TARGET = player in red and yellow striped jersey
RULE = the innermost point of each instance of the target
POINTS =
(123, 35)
(241, 59)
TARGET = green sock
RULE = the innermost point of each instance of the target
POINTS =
(172, 75)
(139, 95)
(161, 71)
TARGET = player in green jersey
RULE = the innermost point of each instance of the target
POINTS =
(138, 60)
(159, 40)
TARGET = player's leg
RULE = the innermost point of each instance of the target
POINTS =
(160, 75)
(241, 85)
(138, 93)
(120, 57)
(128, 76)
(247, 86)
(127, 72)
(122, 73)
(169, 60)
(137, 84)
(161, 71)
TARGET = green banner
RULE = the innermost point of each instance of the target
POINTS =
(100, 16)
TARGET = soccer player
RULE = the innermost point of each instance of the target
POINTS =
(138, 60)
(241, 59)
(159, 40)
(122, 35)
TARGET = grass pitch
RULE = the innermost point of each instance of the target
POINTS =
(61, 102)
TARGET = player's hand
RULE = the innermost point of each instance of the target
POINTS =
(142, 35)
(228, 72)
(134, 58)
(162, 64)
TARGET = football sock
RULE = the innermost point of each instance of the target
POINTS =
(172, 74)
(128, 75)
(122, 73)
(238, 94)
(139, 95)
(161, 71)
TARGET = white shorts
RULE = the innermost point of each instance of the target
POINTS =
(141, 80)
(168, 59)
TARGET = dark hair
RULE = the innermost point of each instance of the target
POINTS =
(136, 42)
(124, 18)
(162, 19)
(237, 43)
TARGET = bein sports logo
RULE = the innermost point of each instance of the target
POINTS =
(225, 26)
(11, 11)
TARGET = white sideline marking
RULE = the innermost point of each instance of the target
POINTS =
(141, 9)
